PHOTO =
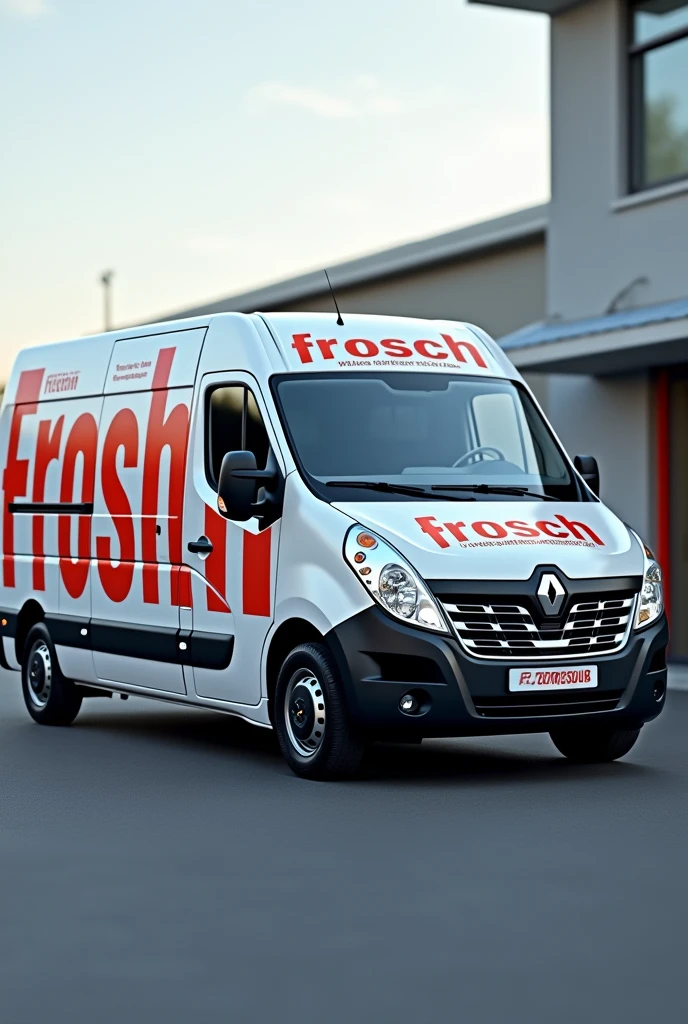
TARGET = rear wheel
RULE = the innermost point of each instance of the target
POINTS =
(49, 697)
(313, 727)
(590, 746)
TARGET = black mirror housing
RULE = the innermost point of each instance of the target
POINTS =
(239, 484)
(236, 495)
(589, 470)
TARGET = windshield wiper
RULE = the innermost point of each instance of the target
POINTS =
(494, 489)
(384, 485)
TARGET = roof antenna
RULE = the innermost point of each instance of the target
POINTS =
(340, 322)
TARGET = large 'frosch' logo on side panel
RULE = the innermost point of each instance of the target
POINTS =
(163, 436)
(135, 462)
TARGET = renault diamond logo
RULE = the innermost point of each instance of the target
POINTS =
(551, 593)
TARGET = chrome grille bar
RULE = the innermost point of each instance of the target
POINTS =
(490, 629)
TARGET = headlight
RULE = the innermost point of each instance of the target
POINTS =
(391, 581)
(651, 599)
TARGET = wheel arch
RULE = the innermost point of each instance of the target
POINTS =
(31, 613)
(288, 635)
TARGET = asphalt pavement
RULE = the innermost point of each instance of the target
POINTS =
(163, 864)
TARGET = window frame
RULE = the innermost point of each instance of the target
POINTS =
(635, 57)
(350, 495)
(207, 444)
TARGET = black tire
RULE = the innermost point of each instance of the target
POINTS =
(49, 697)
(594, 746)
(309, 688)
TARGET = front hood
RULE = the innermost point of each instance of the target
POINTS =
(498, 540)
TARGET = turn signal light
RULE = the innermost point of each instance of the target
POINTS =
(366, 540)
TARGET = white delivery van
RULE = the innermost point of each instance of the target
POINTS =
(343, 532)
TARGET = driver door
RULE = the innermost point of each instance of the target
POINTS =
(229, 574)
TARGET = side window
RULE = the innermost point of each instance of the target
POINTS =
(234, 423)
(255, 432)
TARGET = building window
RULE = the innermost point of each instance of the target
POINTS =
(659, 92)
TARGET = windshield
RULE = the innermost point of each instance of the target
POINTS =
(397, 435)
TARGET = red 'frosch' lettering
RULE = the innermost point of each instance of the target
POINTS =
(82, 440)
(456, 351)
(47, 450)
(116, 580)
(15, 476)
(433, 529)
(171, 432)
(397, 349)
(493, 531)
(512, 528)
(166, 443)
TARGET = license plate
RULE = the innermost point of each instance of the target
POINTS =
(584, 677)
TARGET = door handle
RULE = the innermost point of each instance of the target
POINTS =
(202, 546)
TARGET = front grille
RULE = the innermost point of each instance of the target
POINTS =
(496, 630)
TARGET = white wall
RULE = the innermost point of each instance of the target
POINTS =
(500, 291)
(595, 249)
(610, 418)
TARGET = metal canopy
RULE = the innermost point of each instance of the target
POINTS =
(543, 6)
(621, 342)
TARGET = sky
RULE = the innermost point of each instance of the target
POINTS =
(201, 149)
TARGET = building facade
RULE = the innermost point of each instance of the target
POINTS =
(615, 338)
(589, 295)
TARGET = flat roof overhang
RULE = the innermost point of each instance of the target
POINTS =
(605, 353)
(542, 6)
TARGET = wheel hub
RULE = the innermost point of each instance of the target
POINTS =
(40, 674)
(37, 675)
(305, 713)
(302, 711)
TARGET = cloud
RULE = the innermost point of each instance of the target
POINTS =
(279, 94)
(24, 8)
(364, 97)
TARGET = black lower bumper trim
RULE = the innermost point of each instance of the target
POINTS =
(503, 709)
(467, 696)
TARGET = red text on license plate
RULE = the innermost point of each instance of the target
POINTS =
(580, 678)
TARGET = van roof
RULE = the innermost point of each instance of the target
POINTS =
(305, 341)
(317, 341)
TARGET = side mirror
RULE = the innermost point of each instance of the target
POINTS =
(238, 486)
(589, 470)
(236, 495)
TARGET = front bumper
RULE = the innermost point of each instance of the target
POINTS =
(381, 660)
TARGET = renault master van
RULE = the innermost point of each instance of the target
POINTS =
(346, 533)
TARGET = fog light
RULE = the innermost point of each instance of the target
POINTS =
(658, 691)
(408, 704)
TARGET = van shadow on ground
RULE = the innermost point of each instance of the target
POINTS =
(486, 761)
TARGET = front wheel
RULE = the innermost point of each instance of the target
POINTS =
(314, 731)
(49, 697)
(594, 746)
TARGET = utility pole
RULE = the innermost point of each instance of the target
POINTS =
(106, 281)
